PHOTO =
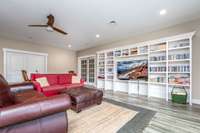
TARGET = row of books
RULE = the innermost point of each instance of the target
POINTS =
(158, 58)
(179, 68)
(158, 69)
(179, 56)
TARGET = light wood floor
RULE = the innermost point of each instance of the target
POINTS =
(104, 118)
(170, 117)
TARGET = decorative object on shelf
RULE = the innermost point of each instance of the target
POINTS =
(136, 69)
(179, 79)
(179, 95)
(143, 49)
(133, 51)
(117, 53)
(157, 79)
(158, 47)
(179, 44)
(125, 52)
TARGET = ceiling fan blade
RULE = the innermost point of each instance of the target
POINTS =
(58, 30)
(38, 25)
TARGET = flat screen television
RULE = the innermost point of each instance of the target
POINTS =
(132, 70)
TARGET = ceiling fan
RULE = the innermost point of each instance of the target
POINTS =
(49, 26)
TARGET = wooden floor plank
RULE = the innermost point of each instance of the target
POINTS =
(170, 117)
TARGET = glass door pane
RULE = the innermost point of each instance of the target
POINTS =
(91, 70)
(84, 70)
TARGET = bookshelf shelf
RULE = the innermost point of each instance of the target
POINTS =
(157, 83)
(162, 61)
(182, 85)
(169, 60)
(179, 48)
(158, 51)
(180, 60)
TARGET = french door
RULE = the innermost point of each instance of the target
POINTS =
(16, 60)
(87, 69)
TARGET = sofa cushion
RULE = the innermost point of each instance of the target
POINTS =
(54, 88)
(52, 79)
(6, 97)
(64, 78)
(43, 81)
(75, 79)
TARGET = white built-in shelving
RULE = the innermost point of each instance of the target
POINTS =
(169, 65)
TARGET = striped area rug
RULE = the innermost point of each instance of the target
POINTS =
(104, 118)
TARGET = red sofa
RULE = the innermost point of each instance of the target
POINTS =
(57, 83)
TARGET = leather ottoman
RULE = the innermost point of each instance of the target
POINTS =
(82, 97)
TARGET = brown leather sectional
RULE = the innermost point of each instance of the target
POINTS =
(23, 110)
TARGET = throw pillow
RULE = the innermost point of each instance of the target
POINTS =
(43, 81)
(75, 79)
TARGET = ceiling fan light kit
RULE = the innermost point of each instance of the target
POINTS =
(49, 29)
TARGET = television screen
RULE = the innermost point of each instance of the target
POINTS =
(132, 70)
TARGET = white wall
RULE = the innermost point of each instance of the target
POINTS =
(59, 60)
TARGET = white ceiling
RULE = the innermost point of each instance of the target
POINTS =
(83, 19)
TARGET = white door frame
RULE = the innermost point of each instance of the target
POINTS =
(5, 50)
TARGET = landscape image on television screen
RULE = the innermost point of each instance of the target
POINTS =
(132, 70)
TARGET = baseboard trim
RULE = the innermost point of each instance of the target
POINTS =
(196, 101)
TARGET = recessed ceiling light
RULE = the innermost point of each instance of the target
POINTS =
(69, 46)
(97, 35)
(163, 12)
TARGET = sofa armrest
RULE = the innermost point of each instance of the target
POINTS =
(33, 110)
(37, 86)
(17, 87)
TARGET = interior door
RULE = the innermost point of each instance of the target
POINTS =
(16, 61)
(14, 65)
